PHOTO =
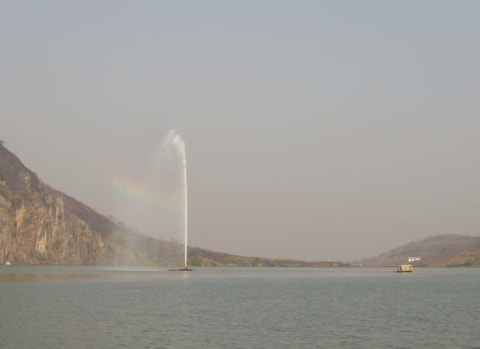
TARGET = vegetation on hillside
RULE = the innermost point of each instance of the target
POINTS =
(435, 251)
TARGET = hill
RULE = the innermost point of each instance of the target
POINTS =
(435, 251)
(41, 225)
(203, 257)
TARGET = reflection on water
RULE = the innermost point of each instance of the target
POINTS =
(28, 277)
(59, 274)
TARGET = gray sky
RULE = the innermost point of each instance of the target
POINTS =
(314, 130)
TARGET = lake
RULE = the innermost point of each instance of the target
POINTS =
(100, 307)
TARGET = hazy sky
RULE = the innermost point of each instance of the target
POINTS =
(316, 130)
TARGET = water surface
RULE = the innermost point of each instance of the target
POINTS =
(74, 307)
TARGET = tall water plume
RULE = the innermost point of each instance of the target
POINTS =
(172, 177)
(153, 201)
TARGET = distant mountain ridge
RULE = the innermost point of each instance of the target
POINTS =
(435, 251)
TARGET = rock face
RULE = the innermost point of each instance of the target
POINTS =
(40, 225)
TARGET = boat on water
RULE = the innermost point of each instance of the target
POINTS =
(404, 268)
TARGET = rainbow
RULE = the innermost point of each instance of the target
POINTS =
(140, 193)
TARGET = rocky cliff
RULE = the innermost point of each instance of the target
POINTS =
(40, 225)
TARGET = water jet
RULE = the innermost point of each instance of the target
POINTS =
(177, 143)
